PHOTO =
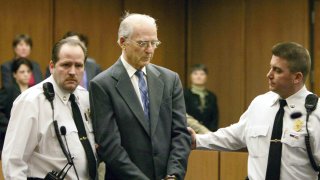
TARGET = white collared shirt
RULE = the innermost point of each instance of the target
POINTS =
(134, 79)
(31, 148)
(254, 132)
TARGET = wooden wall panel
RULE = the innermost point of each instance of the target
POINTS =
(170, 18)
(98, 19)
(233, 165)
(30, 17)
(216, 39)
(316, 58)
(268, 23)
(203, 165)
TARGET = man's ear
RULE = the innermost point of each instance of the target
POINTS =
(122, 42)
(298, 77)
(51, 66)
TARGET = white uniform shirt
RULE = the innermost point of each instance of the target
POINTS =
(31, 148)
(134, 79)
(254, 132)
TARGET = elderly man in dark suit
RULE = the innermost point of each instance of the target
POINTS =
(138, 110)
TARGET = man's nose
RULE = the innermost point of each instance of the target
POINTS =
(150, 49)
(72, 70)
(269, 74)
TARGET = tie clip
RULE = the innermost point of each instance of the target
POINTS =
(275, 140)
(83, 138)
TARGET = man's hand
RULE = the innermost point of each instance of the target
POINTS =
(193, 138)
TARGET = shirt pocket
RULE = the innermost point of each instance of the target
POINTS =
(71, 139)
(294, 144)
(257, 138)
(70, 136)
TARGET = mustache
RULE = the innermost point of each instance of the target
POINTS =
(71, 79)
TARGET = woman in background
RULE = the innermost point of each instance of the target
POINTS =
(22, 45)
(21, 72)
(200, 102)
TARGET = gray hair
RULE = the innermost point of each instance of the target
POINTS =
(129, 20)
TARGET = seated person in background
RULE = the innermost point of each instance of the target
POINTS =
(196, 126)
(200, 102)
(21, 70)
(22, 45)
(91, 67)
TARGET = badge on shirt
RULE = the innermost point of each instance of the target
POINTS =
(87, 114)
(297, 125)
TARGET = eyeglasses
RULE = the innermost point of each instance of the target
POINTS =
(144, 44)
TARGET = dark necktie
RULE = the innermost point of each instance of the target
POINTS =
(144, 94)
(274, 159)
(83, 137)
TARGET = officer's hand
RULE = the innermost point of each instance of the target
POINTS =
(193, 138)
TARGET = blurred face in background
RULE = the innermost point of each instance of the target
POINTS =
(22, 75)
(198, 78)
(22, 50)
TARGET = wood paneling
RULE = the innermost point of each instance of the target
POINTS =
(171, 31)
(233, 165)
(203, 165)
(216, 39)
(214, 165)
(268, 23)
(30, 17)
(316, 58)
(98, 19)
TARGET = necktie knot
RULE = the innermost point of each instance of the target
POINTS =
(139, 73)
(72, 98)
(283, 103)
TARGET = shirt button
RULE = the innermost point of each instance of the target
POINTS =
(64, 98)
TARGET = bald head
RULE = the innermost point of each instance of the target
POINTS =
(133, 21)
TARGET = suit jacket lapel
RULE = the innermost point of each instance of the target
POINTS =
(127, 92)
(155, 86)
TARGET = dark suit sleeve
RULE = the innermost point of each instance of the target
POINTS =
(215, 113)
(36, 72)
(108, 137)
(3, 118)
(97, 69)
(180, 137)
(47, 72)
(4, 113)
(6, 75)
